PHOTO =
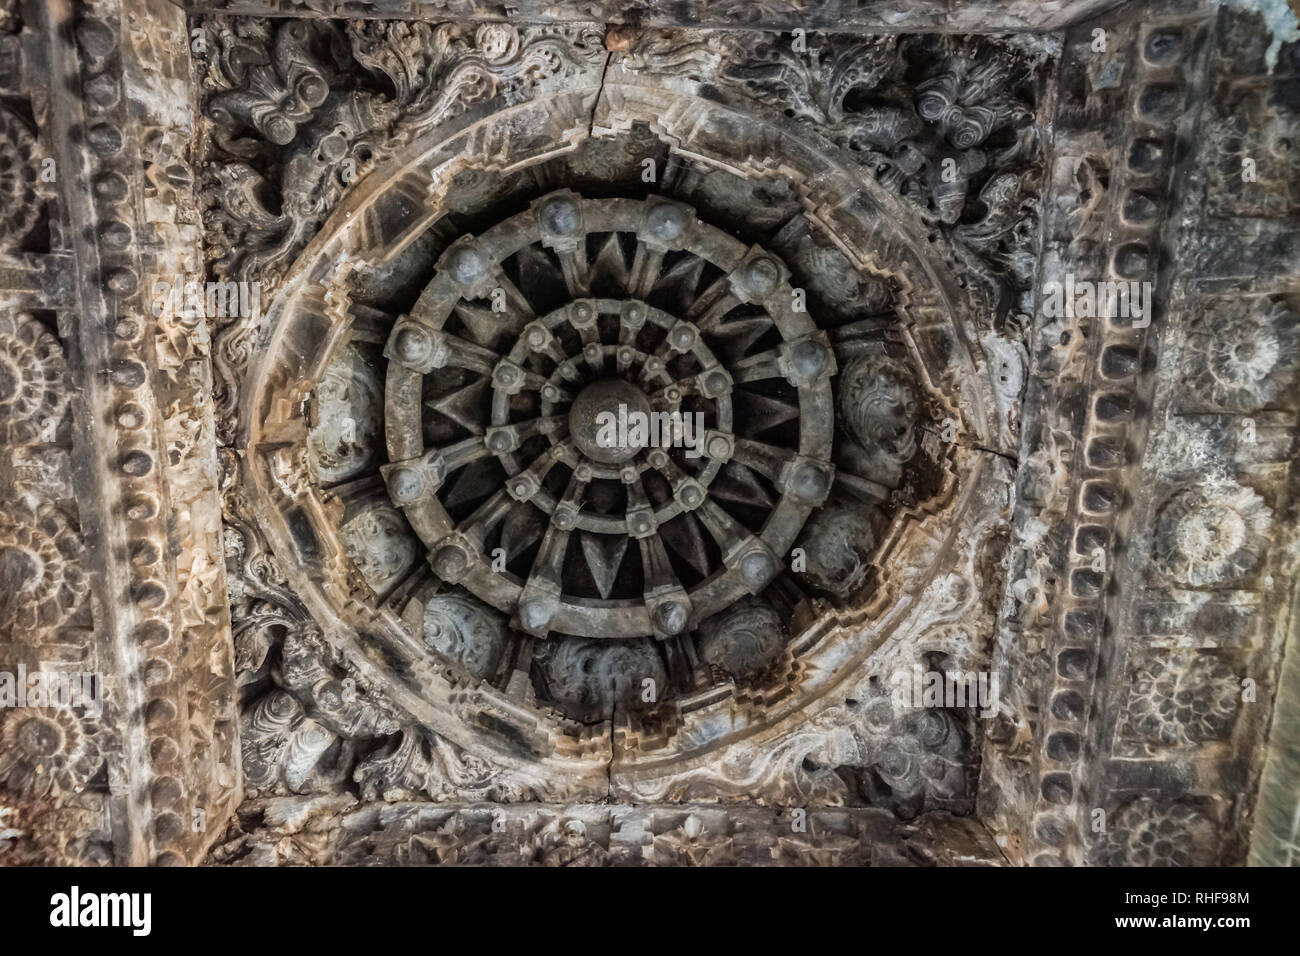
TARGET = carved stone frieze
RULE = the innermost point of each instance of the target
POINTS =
(961, 143)
(1154, 575)
(773, 15)
(334, 830)
(110, 528)
(709, 433)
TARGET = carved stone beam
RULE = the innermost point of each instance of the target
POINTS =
(844, 16)
(144, 452)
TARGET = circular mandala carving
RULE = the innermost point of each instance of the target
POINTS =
(46, 750)
(1212, 535)
(33, 396)
(608, 414)
(18, 177)
(569, 574)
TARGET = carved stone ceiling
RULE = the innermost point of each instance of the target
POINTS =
(525, 614)
(455, 239)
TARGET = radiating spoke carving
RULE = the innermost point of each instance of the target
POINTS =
(607, 420)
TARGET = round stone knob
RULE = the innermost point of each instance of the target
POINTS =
(333, 147)
(808, 359)
(313, 90)
(682, 337)
(466, 266)
(412, 345)
(810, 482)
(756, 568)
(666, 222)
(561, 216)
(716, 383)
(536, 337)
(762, 276)
(670, 616)
(692, 496)
(280, 130)
(534, 613)
(450, 560)
(404, 484)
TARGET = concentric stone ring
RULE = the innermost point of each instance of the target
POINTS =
(652, 302)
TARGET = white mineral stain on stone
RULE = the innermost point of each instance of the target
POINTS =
(1278, 17)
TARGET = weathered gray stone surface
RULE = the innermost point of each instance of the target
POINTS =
(309, 314)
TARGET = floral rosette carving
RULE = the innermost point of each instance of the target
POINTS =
(47, 751)
(1182, 700)
(41, 579)
(1241, 355)
(33, 381)
(1211, 535)
(18, 179)
(1151, 833)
